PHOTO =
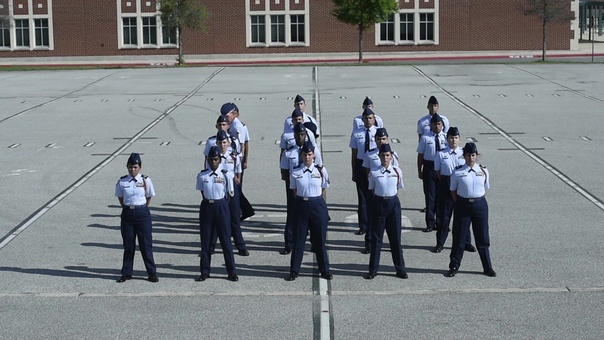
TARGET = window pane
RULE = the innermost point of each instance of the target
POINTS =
(258, 29)
(169, 35)
(41, 32)
(278, 28)
(426, 26)
(297, 28)
(4, 34)
(406, 27)
(129, 31)
(149, 30)
(22, 32)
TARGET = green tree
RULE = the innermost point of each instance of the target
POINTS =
(181, 14)
(547, 11)
(363, 14)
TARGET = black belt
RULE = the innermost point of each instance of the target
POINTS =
(385, 197)
(472, 200)
(308, 198)
(213, 201)
(132, 207)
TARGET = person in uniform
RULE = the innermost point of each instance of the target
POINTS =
(468, 185)
(424, 124)
(231, 161)
(216, 185)
(357, 122)
(429, 145)
(362, 140)
(134, 192)
(308, 182)
(300, 104)
(372, 161)
(445, 163)
(384, 182)
(222, 123)
(290, 159)
(239, 131)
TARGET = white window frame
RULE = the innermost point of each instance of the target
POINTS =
(30, 18)
(139, 15)
(416, 27)
(287, 12)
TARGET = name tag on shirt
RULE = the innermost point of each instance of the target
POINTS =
(140, 184)
(218, 180)
(480, 174)
(315, 176)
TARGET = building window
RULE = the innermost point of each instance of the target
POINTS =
(169, 35)
(42, 32)
(149, 30)
(4, 34)
(277, 24)
(297, 28)
(278, 29)
(258, 29)
(129, 31)
(387, 30)
(426, 26)
(22, 32)
(406, 26)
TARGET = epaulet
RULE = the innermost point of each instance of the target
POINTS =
(123, 176)
(458, 167)
(212, 137)
(482, 166)
(299, 167)
(144, 176)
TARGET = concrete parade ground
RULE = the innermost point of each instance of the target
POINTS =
(65, 136)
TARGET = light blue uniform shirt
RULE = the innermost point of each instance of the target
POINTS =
(213, 184)
(288, 125)
(291, 158)
(235, 145)
(447, 160)
(386, 182)
(308, 182)
(424, 124)
(357, 140)
(372, 159)
(427, 145)
(357, 122)
(470, 182)
(288, 140)
(134, 190)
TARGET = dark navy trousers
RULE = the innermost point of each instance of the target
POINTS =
(445, 210)
(214, 218)
(136, 223)
(362, 183)
(235, 222)
(310, 215)
(430, 181)
(288, 233)
(477, 214)
(388, 217)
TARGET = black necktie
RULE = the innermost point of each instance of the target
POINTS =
(385, 170)
(471, 170)
(437, 140)
(132, 179)
(214, 174)
(307, 170)
(367, 138)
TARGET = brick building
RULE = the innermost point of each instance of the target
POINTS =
(51, 28)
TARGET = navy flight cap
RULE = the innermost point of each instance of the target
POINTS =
(470, 148)
(214, 152)
(297, 113)
(221, 135)
(453, 131)
(436, 118)
(308, 147)
(298, 99)
(368, 112)
(299, 128)
(226, 108)
(385, 148)
(134, 159)
(367, 101)
(432, 100)
(381, 132)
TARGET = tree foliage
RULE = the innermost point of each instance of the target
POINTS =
(363, 14)
(547, 11)
(181, 14)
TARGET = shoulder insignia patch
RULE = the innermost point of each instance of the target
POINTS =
(482, 166)
(144, 176)
(458, 167)
(123, 176)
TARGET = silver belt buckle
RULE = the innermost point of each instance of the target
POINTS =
(471, 200)
(132, 207)
(211, 201)
(305, 198)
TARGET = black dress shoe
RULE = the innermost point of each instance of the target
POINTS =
(153, 278)
(243, 252)
(327, 275)
(370, 276)
(422, 210)
(233, 277)
(490, 273)
(291, 277)
(437, 249)
(451, 272)
(470, 248)
(428, 229)
(360, 232)
(124, 278)
(285, 251)
(248, 215)
(402, 274)
(202, 277)
(367, 250)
